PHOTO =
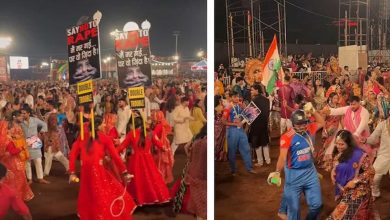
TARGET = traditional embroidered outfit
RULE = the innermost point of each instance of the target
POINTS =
(220, 140)
(109, 129)
(332, 125)
(53, 145)
(164, 157)
(147, 186)
(353, 203)
(197, 178)
(16, 175)
(98, 188)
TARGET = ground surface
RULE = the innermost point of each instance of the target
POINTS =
(249, 197)
(58, 200)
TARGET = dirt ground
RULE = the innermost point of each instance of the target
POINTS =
(249, 197)
(58, 200)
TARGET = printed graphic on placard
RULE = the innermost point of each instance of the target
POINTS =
(250, 113)
(84, 87)
(83, 52)
(84, 92)
(133, 58)
(136, 97)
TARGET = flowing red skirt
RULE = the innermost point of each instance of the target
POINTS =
(98, 190)
(147, 186)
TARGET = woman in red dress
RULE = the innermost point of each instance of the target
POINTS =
(163, 157)
(98, 188)
(9, 156)
(109, 122)
(147, 186)
(108, 128)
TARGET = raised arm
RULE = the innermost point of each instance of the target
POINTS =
(339, 111)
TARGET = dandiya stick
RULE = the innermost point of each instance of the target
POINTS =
(81, 124)
(132, 121)
(144, 121)
(92, 123)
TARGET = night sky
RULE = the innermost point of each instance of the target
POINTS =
(38, 27)
(307, 28)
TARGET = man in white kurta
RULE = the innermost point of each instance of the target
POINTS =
(181, 116)
(382, 162)
(124, 114)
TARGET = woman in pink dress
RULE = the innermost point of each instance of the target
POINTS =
(163, 157)
(9, 156)
(147, 186)
(99, 189)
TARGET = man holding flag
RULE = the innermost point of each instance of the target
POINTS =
(272, 77)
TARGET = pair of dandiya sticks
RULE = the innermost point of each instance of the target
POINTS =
(93, 123)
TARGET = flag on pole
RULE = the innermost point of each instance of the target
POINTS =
(273, 73)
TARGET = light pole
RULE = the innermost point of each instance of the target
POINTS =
(177, 58)
(176, 34)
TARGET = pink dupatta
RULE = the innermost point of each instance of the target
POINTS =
(352, 125)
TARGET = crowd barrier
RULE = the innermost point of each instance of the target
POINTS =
(321, 75)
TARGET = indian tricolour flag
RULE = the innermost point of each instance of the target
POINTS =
(273, 73)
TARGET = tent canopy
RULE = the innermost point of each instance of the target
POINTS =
(200, 66)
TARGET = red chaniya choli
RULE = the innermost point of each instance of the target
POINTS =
(16, 174)
(98, 187)
(147, 186)
(110, 130)
(163, 156)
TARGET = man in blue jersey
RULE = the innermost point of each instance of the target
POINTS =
(236, 136)
(296, 146)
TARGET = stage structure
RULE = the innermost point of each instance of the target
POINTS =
(250, 25)
(380, 31)
(366, 24)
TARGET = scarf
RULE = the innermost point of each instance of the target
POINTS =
(351, 125)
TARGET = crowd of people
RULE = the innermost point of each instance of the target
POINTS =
(126, 155)
(335, 119)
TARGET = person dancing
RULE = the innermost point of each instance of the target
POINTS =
(196, 176)
(10, 199)
(296, 158)
(98, 188)
(164, 156)
(148, 186)
(382, 161)
(332, 125)
(9, 156)
(352, 176)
